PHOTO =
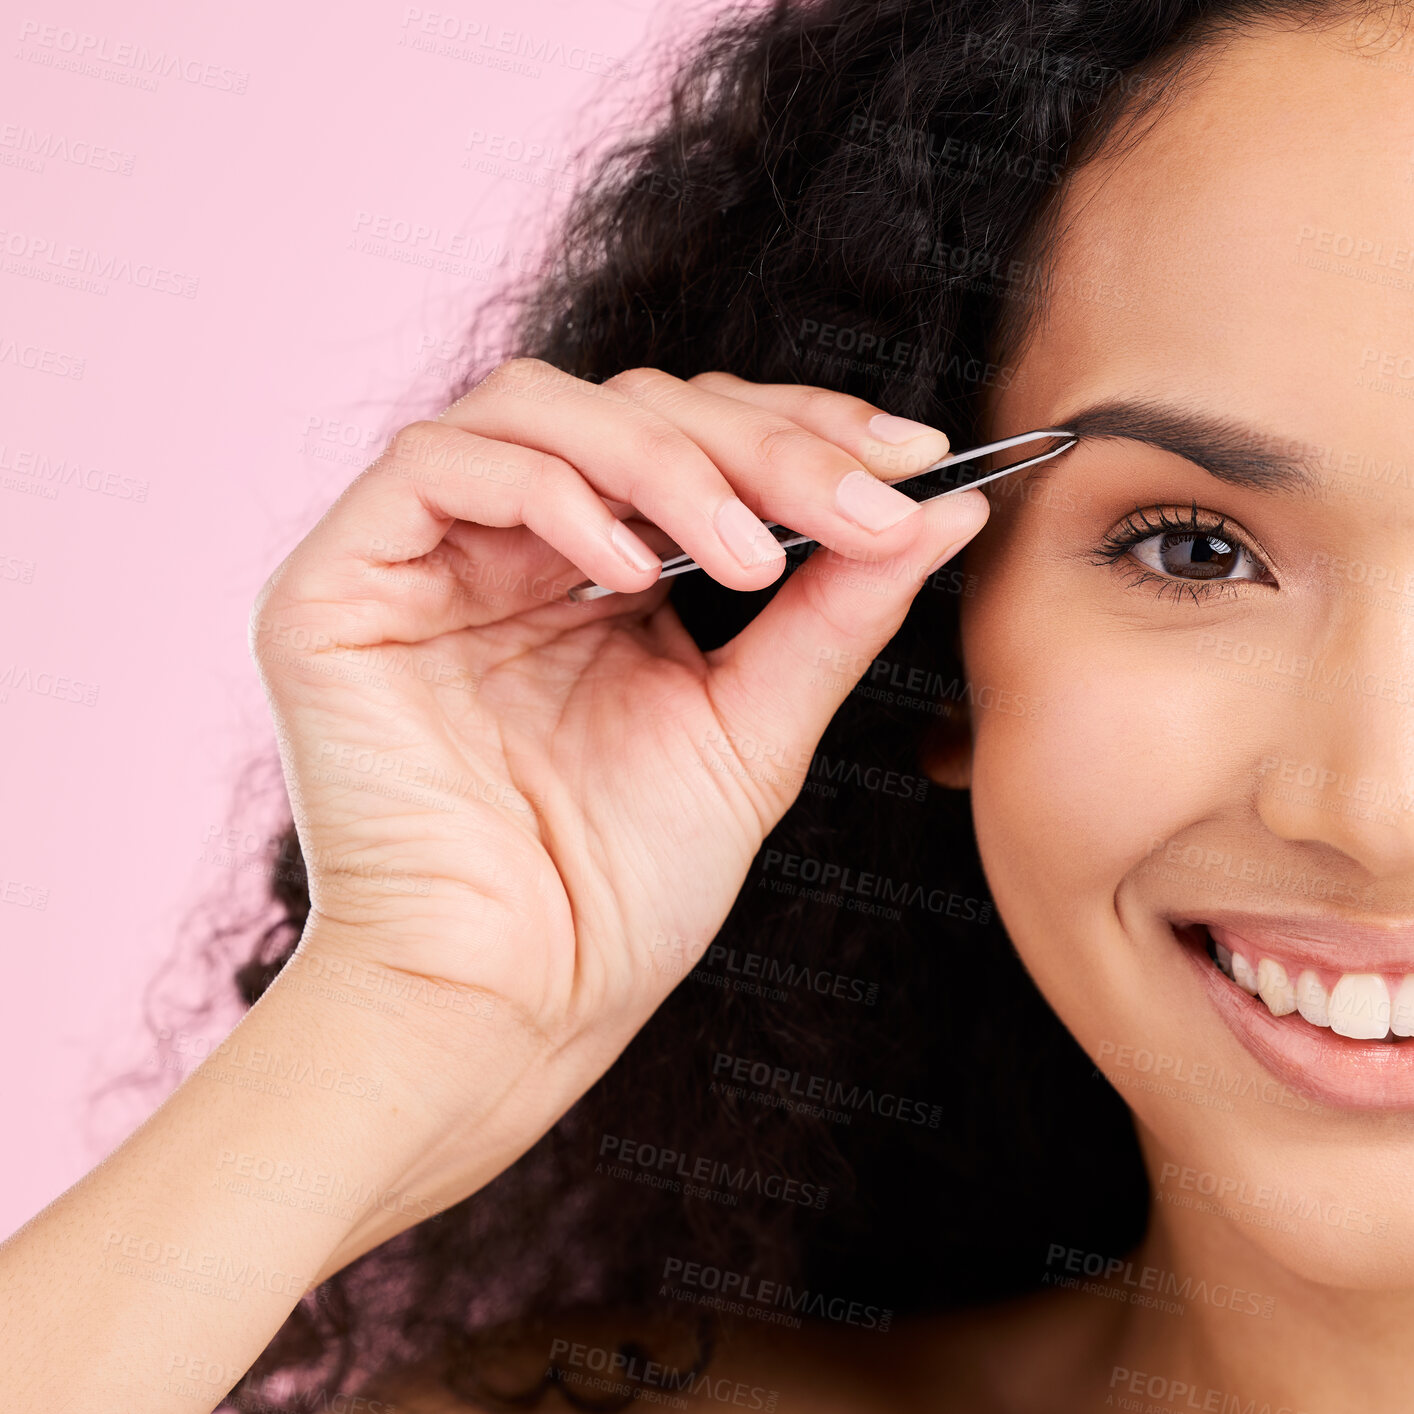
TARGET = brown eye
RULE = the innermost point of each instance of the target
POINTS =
(1186, 554)
(1197, 555)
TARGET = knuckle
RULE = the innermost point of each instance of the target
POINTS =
(631, 378)
(660, 444)
(816, 400)
(715, 377)
(293, 624)
(410, 444)
(545, 474)
(518, 377)
(638, 385)
(778, 444)
(413, 435)
(522, 368)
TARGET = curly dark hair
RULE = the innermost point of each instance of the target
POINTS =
(856, 194)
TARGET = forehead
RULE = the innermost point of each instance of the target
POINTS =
(1251, 251)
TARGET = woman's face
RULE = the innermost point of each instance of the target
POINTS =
(1217, 729)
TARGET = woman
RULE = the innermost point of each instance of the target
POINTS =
(626, 1082)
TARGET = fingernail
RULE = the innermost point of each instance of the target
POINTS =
(971, 509)
(868, 502)
(745, 536)
(888, 428)
(638, 555)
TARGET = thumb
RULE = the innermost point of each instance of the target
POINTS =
(782, 678)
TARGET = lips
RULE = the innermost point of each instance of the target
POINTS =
(1322, 1004)
(1326, 943)
(1365, 1006)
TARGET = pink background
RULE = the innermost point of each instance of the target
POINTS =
(143, 503)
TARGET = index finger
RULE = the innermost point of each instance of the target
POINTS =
(889, 446)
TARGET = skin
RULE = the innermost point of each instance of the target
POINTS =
(573, 791)
(1138, 742)
(539, 765)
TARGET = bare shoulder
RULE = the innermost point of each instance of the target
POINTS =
(1047, 1350)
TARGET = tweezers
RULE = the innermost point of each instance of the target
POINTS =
(682, 563)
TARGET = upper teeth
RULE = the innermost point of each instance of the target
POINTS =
(1275, 989)
(1361, 1005)
(1311, 999)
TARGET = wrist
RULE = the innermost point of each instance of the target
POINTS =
(446, 1044)
(458, 1086)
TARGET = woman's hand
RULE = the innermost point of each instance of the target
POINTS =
(548, 806)
(541, 808)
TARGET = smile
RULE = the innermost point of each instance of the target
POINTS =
(1366, 1006)
(1327, 1006)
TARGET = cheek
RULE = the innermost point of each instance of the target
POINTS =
(1102, 765)
(1120, 749)
(1083, 770)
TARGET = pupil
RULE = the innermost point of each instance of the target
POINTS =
(1208, 557)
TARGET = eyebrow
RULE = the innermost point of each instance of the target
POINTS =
(1224, 447)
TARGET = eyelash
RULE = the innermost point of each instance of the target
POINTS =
(1138, 527)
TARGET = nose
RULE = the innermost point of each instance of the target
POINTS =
(1339, 769)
